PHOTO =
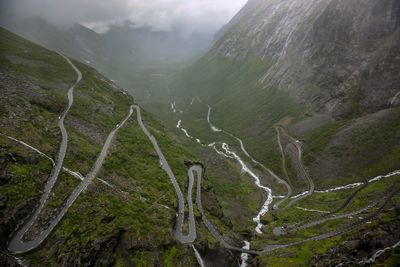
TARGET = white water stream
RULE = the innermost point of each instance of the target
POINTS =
(244, 256)
(213, 128)
(198, 256)
(378, 254)
(245, 169)
(178, 125)
(175, 108)
(228, 153)
(393, 100)
(349, 186)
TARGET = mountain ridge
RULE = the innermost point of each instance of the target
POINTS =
(126, 214)
(293, 115)
(353, 37)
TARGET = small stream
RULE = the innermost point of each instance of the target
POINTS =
(198, 256)
(345, 187)
(377, 254)
(213, 128)
(265, 207)
(178, 125)
(228, 153)
(224, 150)
(244, 256)
(246, 169)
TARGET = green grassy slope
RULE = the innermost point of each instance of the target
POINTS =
(240, 104)
(336, 152)
(127, 223)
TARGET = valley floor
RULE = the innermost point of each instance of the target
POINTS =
(112, 192)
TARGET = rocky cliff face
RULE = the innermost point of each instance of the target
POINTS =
(340, 55)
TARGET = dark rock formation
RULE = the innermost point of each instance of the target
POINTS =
(342, 56)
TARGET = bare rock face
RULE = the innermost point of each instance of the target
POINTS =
(340, 55)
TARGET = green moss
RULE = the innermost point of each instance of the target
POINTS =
(26, 185)
(392, 261)
(317, 140)
(170, 257)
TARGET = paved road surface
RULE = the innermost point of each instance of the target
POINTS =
(347, 228)
(16, 244)
(199, 171)
(191, 236)
(300, 166)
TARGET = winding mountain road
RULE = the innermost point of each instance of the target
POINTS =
(269, 171)
(17, 244)
(347, 228)
(283, 159)
(313, 221)
(179, 235)
(73, 173)
(199, 171)
(296, 144)
(195, 169)
(304, 225)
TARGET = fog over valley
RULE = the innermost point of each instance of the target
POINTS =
(211, 133)
(195, 16)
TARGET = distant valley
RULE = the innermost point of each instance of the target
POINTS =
(275, 142)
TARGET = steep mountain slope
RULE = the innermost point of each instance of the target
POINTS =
(124, 53)
(313, 61)
(333, 54)
(301, 81)
(126, 214)
(302, 165)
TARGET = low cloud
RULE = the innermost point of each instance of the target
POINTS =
(205, 16)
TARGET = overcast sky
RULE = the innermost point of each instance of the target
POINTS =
(188, 15)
